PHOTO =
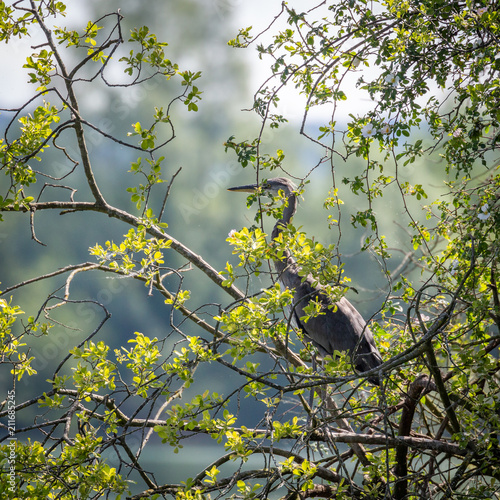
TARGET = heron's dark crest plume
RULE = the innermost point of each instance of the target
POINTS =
(340, 328)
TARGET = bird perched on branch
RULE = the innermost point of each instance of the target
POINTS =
(341, 327)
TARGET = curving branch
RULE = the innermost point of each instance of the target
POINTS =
(417, 389)
(116, 213)
(82, 146)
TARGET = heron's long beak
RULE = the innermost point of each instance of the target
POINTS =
(248, 188)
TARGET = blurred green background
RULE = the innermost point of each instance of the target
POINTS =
(200, 212)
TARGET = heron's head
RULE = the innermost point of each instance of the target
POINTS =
(270, 187)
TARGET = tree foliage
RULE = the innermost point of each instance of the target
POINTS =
(430, 70)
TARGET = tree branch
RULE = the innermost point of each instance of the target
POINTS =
(80, 135)
(418, 388)
(116, 213)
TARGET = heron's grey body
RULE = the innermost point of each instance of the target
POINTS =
(341, 327)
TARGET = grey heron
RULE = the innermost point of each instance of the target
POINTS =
(341, 327)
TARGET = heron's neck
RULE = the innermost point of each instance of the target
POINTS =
(288, 213)
(286, 267)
